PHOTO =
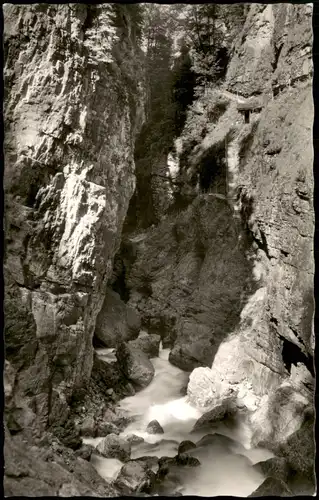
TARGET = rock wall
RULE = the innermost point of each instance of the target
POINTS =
(73, 106)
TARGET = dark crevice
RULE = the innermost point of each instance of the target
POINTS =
(212, 172)
(277, 51)
(292, 354)
(263, 243)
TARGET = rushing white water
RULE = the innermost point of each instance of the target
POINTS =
(226, 464)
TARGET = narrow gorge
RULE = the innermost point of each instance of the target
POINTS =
(158, 253)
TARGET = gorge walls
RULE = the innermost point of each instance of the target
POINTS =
(227, 281)
(73, 106)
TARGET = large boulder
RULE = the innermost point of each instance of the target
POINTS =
(272, 487)
(149, 344)
(135, 365)
(206, 389)
(187, 357)
(135, 477)
(113, 446)
(116, 321)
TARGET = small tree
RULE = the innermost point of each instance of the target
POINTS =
(100, 38)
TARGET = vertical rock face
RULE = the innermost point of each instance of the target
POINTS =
(73, 105)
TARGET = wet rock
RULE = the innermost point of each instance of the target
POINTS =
(221, 411)
(135, 365)
(272, 487)
(135, 477)
(133, 439)
(116, 321)
(113, 446)
(149, 344)
(216, 439)
(150, 461)
(276, 467)
(154, 428)
(186, 460)
(185, 446)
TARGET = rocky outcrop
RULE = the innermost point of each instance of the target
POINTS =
(272, 487)
(39, 471)
(69, 145)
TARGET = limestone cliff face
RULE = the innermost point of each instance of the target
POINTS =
(229, 279)
(73, 106)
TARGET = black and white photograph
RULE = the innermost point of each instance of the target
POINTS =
(158, 249)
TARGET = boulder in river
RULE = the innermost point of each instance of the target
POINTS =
(272, 487)
(135, 365)
(135, 477)
(219, 412)
(186, 460)
(154, 427)
(216, 439)
(133, 439)
(150, 461)
(113, 446)
(148, 343)
(185, 446)
(206, 389)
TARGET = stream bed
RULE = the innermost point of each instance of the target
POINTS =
(225, 456)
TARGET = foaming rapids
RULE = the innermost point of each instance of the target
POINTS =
(225, 455)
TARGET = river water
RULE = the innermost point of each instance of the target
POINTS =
(226, 464)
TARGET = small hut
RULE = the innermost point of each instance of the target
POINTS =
(253, 105)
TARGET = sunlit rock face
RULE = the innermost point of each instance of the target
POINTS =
(69, 175)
